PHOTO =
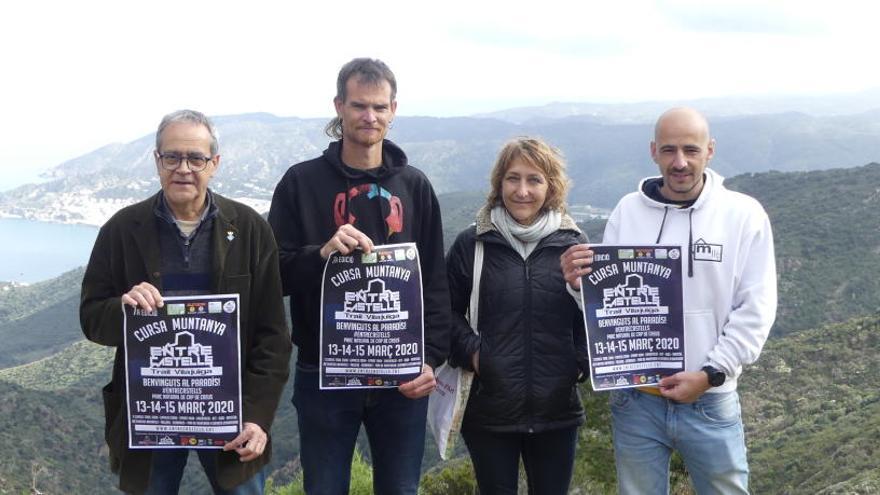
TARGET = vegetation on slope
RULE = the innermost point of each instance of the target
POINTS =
(812, 410)
(810, 404)
(826, 227)
(19, 301)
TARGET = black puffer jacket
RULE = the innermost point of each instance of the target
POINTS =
(532, 342)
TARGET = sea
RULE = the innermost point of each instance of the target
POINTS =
(32, 251)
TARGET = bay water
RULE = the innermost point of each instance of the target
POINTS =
(32, 251)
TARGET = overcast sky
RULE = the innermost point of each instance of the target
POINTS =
(79, 75)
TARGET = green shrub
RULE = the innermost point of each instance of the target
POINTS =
(361, 480)
(455, 478)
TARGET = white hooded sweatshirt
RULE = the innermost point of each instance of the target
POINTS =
(729, 272)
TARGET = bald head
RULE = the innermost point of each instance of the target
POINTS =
(682, 119)
(682, 149)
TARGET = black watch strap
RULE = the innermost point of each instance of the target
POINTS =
(716, 377)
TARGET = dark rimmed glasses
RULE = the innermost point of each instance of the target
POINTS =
(171, 161)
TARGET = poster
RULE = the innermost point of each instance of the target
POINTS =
(372, 318)
(633, 313)
(182, 365)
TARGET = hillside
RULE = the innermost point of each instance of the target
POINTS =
(812, 414)
(606, 157)
(459, 210)
(51, 419)
(714, 108)
(43, 333)
(39, 320)
(812, 411)
(810, 404)
(19, 301)
(827, 232)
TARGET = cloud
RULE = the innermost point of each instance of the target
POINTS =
(782, 18)
(82, 74)
(571, 44)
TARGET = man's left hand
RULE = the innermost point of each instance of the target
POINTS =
(684, 386)
(250, 443)
(423, 384)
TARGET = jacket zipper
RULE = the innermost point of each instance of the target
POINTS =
(528, 320)
(186, 251)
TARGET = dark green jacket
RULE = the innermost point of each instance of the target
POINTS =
(126, 253)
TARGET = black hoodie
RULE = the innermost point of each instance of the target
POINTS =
(390, 204)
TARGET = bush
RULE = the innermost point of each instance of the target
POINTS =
(455, 478)
(361, 480)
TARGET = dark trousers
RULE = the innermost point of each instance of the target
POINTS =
(547, 456)
(329, 421)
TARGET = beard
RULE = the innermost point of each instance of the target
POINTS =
(365, 138)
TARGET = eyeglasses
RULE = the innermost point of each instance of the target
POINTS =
(171, 161)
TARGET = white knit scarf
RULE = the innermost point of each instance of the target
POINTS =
(524, 238)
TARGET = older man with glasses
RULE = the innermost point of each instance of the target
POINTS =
(187, 240)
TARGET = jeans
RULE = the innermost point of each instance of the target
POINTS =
(329, 422)
(708, 434)
(548, 458)
(167, 465)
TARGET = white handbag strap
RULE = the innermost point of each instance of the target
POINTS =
(474, 306)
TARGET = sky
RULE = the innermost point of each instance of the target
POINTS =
(80, 75)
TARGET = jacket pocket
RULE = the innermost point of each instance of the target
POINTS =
(487, 375)
(114, 433)
(620, 399)
(719, 409)
(237, 284)
(112, 405)
(576, 371)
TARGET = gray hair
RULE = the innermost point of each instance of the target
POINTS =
(368, 71)
(192, 117)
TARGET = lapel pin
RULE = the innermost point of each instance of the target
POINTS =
(230, 235)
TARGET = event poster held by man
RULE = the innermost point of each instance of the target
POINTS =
(359, 193)
(729, 297)
(188, 240)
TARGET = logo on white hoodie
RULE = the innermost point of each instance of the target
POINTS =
(704, 251)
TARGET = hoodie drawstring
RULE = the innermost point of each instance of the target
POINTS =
(690, 237)
(691, 244)
(662, 223)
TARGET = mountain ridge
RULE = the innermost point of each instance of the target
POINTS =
(605, 160)
(811, 408)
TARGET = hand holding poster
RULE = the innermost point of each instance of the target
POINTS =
(182, 365)
(372, 318)
(633, 312)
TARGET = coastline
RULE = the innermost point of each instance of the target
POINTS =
(93, 213)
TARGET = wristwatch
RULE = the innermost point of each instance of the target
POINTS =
(716, 377)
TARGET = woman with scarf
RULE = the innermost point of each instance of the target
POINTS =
(530, 349)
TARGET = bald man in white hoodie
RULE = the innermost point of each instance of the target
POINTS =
(729, 294)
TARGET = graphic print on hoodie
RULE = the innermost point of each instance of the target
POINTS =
(373, 192)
